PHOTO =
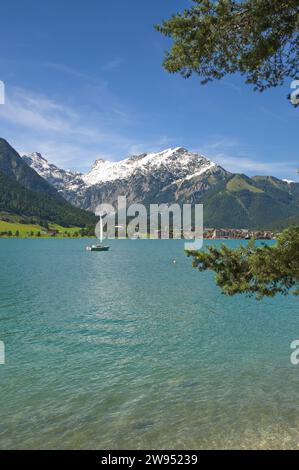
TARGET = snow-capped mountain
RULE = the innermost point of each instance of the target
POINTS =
(288, 181)
(178, 162)
(169, 176)
(178, 176)
(50, 172)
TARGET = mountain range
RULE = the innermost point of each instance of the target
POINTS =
(169, 176)
(38, 190)
(178, 176)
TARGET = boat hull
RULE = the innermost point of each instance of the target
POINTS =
(97, 248)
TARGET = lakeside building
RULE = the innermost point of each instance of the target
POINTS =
(232, 233)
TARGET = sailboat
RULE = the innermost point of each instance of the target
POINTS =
(100, 246)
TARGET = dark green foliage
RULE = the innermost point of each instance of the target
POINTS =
(256, 203)
(25, 193)
(257, 38)
(260, 40)
(13, 166)
(88, 231)
(255, 270)
(45, 208)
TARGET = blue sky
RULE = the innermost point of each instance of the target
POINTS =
(84, 80)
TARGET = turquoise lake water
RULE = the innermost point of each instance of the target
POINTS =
(127, 350)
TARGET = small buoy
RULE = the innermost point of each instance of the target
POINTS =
(174, 261)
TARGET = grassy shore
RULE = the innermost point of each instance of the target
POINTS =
(19, 230)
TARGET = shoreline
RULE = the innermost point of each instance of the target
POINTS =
(58, 237)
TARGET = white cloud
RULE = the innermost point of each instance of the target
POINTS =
(228, 153)
(36, 112)
(75, 137)
(242, 164)
(67, 136)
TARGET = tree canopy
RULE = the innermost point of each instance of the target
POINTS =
(263, 270)
(257, 38)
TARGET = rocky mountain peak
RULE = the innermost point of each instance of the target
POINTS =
(98, 163)
(175, 172)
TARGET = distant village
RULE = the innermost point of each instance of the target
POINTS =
(220, 234)
(215, 233)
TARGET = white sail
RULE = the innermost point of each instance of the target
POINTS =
(101, 229)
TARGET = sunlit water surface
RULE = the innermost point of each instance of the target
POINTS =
(126, 349)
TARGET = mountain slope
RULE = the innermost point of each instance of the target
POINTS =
(259, 202)
(25, 193)
(55, 176)
(13, 166)
(15, 199)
